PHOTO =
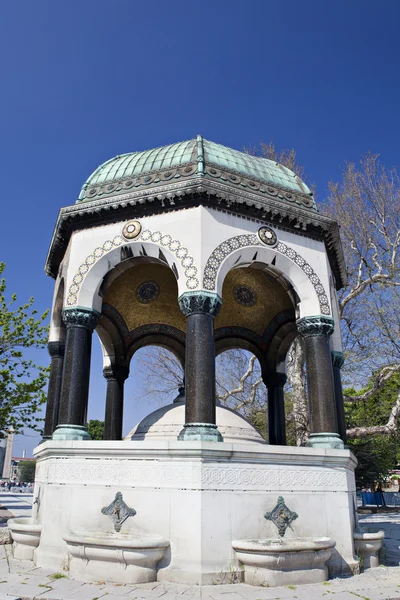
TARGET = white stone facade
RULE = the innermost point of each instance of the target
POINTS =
(187, 239)
(200, 496)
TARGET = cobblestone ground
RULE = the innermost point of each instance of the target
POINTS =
(19, 580)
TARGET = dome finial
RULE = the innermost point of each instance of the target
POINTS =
(200, 155)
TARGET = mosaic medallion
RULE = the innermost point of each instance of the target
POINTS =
(147, 292)
(267, 236)
(244, 295)
(131, 230)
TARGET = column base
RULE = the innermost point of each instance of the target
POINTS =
(204, 432)
(325, 440)
(71, 432)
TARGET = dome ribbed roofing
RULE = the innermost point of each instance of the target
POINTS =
(199, 152)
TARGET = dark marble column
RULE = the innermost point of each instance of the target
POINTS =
(80, 323)
(115, 376)
(276, 409)
(200, 308)
(321, 395)
(56, 351)
(337, 363)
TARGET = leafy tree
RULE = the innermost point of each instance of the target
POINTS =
(376, 454)
(26, 470)
(22, 381)
(365, 203)
(96, 429)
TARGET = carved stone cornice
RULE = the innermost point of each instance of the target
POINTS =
(312, 326)
(191, 303)
(337, 359)
(56, 349)
(118, 372)
(174, 195)
(81, 317)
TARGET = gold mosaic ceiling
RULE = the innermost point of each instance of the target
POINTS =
(251, 285)
(148, 294)
(124, 295)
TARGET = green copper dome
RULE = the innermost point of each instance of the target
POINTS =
(197, 157)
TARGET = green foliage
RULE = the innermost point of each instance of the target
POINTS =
(96, 429)
(22, 382)
(26, 470)
(258, 418)
(377, 454)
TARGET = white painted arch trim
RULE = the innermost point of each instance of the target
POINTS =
(86, 281)
(243, 250)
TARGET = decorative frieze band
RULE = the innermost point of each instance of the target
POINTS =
(196, 477)
(229, 177)
(222, 251)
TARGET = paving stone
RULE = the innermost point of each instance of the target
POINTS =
(64, 583)
(152, 585)
(139, 592)
(242, 590)
(165, 596)
(118, 590)
(226, 595)
(25, 590)
(9, 580)
(34, 579)
(86, 591)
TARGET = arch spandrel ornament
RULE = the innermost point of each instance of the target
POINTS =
(224, 250)
(164, 241)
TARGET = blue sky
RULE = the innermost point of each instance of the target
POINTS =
(84, 81)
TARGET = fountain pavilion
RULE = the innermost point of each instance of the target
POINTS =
(198, 248)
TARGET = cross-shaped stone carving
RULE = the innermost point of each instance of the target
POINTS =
(118, 511)
(281, 516)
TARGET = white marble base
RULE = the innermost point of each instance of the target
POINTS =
(200, 496)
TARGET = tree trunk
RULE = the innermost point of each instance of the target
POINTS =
(296, 378)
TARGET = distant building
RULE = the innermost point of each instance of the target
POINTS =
(15, 465)
(7, 460)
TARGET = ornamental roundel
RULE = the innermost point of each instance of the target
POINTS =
(131, 229)
(244, 295)
(147, 292)
(267, 236)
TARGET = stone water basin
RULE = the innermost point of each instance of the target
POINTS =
(276, 562)
(368, 544)
(25, 533)
(118, 558)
